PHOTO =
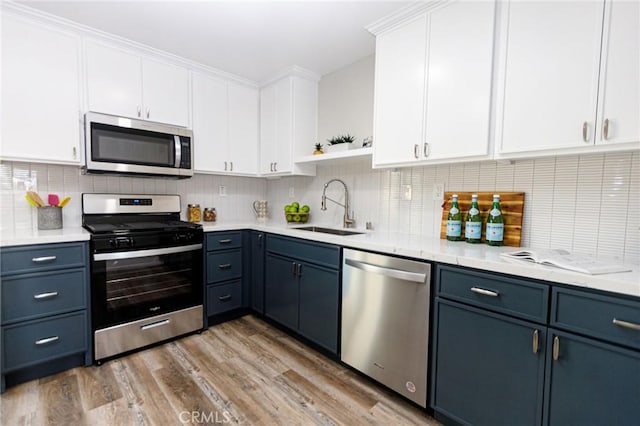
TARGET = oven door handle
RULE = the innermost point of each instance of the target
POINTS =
(145, 253)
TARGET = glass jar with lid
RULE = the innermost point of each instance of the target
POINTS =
(210, 214)
(194, 213)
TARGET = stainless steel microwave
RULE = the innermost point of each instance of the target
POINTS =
(137, 147)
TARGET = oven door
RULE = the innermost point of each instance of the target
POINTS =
(136, 284)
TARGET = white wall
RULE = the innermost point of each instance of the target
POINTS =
(345, 102)
(16, 214)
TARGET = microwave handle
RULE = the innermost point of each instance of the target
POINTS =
(178, 149)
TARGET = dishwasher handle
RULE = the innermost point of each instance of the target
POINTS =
(390, 272)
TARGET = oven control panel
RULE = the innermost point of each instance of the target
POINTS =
(121, 242)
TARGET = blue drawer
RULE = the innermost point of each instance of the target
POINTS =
(319, 253)
(594, 315)
(224, 240)
(42, 340)
(512, 296)
(224, 265)
(224, 297)
(31, 296)
(25, 259)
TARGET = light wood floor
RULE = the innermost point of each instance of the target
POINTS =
(243, 372)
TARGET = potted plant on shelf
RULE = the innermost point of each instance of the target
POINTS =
(318, 149)
(340, 143)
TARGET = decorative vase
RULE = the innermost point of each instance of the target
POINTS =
(339, 147)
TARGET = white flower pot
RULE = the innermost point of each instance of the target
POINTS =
(339, 147)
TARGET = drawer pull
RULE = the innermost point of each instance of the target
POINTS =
(224, 298)
(45, 295)
(44, 259)
(556, 348)
(46, 340)
(536, 343)
(226, 241)
(225, 266)
(293, 268)
(485, 292)
(626, 324)
(155, 324)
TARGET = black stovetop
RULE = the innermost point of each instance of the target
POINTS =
(130, 224)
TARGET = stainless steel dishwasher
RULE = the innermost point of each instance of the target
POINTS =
(385, 320)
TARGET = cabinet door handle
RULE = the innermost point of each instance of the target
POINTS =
(148, 112)
(259, 240)
(139, 111)
(231, 165)
(415, 150)
(275, 166)
(46, 340)
(293, 268)
(45, 295)
(605, 130)
(626, 324)
(226, 241)
(225, 266)
(44, 259)
(224, 298)
(585, 131)
(536, 341)
(225, 166)
(299, 270)
(556, 348)
(485, 292)
(74, 152)
(426, 149)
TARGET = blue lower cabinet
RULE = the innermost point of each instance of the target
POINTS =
(488, 368)
(319, 295)
(281, 290)
(257, 271)
(224, 297)
(590, 382)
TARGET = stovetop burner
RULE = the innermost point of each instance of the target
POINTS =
(129, 227)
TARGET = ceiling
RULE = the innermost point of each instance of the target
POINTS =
(253, 39)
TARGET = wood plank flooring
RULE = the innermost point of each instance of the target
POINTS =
(243, 371)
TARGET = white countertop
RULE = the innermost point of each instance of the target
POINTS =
(456, 253)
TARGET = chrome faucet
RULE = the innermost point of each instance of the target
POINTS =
(347, 220)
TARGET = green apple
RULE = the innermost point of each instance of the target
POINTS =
(305, 209)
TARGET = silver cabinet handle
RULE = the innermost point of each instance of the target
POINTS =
(225, 266)
(225, 166)
(426, 149)
(485, 292)
(139, 111)
(259, 240)
(536, 341)
(155, 324)
(148, 111)
(224, 298)
(585, 131)
(46, 340)
(626, 324)
(556, 348)
(299, 270)
(231, 166)
(226, 241)
(45, 295)
(390, 272)
(293, 268)
(270, 167)
(275, 166)
(415, 150)
(605, 130)
(44, 259)
(74, 152)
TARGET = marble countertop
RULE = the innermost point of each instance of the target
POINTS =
(455, 253)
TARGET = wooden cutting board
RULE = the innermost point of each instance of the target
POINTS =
(511, 203)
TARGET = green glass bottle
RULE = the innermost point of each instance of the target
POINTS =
(495, 224)
(454, 221)
(473, 222)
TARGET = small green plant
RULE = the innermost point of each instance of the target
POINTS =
(341, 139)
(318, 146)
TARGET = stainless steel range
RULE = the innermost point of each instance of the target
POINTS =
(146, 271)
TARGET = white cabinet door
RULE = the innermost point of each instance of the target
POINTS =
(305, 117)
(619, 100)
(243, 128)
(210, 117)
(276, 127)
(550, 75)
(114, 81)
(165, 93)
(40, 93)
(268, 138)
(398, 125)
(459, 73)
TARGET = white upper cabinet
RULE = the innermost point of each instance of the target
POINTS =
(125, 84)
(433, 86)
(225, 126)
(288, 117)
(40, 93)
(551, 68)
(619, 99)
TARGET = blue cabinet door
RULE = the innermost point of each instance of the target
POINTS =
(257, 271)
(486, 368)
(319, 305)
(590, 382)
(281, 290)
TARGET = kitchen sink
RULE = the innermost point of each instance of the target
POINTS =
(329, 230)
